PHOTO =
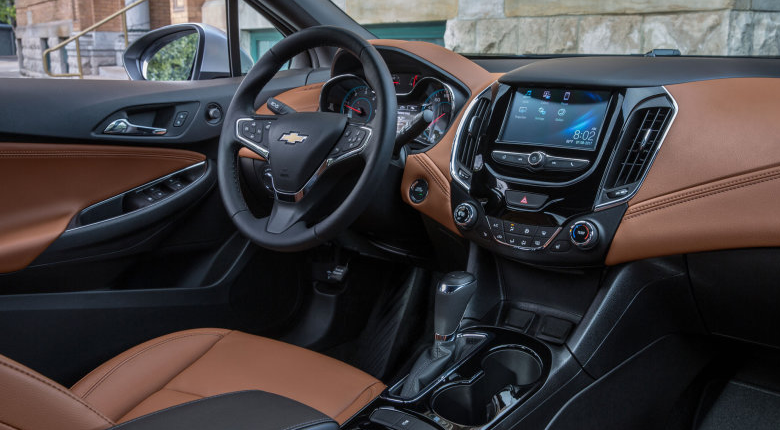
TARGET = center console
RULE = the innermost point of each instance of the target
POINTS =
(542, 173)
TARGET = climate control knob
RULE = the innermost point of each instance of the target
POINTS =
(584, 235)
(465, 215)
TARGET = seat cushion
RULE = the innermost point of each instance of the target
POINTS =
(193, 364)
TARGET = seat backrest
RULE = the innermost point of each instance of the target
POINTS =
(31, 401)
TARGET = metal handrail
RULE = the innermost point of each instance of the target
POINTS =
(76, 37)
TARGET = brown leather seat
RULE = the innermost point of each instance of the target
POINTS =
(179, 368)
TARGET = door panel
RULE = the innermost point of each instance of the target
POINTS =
(52, 183)
(83, 275)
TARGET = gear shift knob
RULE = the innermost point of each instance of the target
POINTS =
(452, 295)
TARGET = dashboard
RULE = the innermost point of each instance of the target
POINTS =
(559, 162)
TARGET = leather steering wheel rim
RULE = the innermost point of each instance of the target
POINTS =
(375, 151)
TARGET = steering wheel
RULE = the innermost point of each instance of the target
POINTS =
(301, 147)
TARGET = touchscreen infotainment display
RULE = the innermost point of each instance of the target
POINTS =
(560, 118)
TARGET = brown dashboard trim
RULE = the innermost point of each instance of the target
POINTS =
(302, 99)
(46, 185)
(700, 193)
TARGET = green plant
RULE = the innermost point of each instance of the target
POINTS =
(174, 61)
(8, 12)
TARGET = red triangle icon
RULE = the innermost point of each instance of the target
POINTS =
(524, 201)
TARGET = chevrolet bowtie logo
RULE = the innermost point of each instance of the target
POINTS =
(293, 138)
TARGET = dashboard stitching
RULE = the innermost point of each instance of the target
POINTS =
(432, 171)
(708, 192)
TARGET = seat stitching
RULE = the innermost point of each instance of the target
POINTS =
(370, 387)
(308, 423)
(128, 359)
(178, 406)
(59, 389)
(9, 425)
(181, 391)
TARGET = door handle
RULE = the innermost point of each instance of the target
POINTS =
(123, 126)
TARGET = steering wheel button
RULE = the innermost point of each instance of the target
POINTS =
(536, 242)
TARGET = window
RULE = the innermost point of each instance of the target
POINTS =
(432, 32)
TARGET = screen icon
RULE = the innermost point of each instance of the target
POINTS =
(561, 112)
(528, 93)
(522, 109)
(546, 95)
(566, 96)
(542, 111)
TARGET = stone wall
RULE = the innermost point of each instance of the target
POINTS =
(695, 27)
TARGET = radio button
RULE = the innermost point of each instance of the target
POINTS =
(565, 164)
(536, 159)
(510, 158)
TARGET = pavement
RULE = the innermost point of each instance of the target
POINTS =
(9, 67)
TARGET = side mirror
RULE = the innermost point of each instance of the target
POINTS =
(180, 52)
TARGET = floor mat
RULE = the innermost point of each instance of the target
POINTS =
(743, 406)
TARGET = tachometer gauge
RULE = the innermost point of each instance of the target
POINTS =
(440, 102)
(358, 104)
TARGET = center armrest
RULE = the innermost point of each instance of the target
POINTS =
(242, 410)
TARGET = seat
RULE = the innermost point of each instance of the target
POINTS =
(179, 368)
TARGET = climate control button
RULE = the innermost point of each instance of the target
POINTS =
(584, 235)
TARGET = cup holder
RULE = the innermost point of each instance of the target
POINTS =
(507, 374)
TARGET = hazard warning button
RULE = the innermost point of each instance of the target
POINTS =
(524, 200)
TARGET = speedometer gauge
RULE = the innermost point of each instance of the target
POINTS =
(358, 104)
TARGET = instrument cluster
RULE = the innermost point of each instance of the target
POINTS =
(350, 95)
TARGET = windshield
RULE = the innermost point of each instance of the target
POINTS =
(554, 27)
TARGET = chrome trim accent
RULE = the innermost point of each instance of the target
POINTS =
(444, 337)
(253, 146)
(124, 127)
(612, 203)
(138, 188)
(300, 194)
(458, 133)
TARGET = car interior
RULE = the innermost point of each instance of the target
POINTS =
(377, 234)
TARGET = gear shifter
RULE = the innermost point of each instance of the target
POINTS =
(452, 295)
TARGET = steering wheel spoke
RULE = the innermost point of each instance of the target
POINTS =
(284, 216)
(253, 132)
(352, 142)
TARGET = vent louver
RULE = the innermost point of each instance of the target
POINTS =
(639, 143)
(467, 150)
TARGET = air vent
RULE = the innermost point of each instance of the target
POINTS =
(469, 141)
(638, 145)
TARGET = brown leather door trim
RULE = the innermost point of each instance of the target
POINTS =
(46, 185)
(713, 184)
